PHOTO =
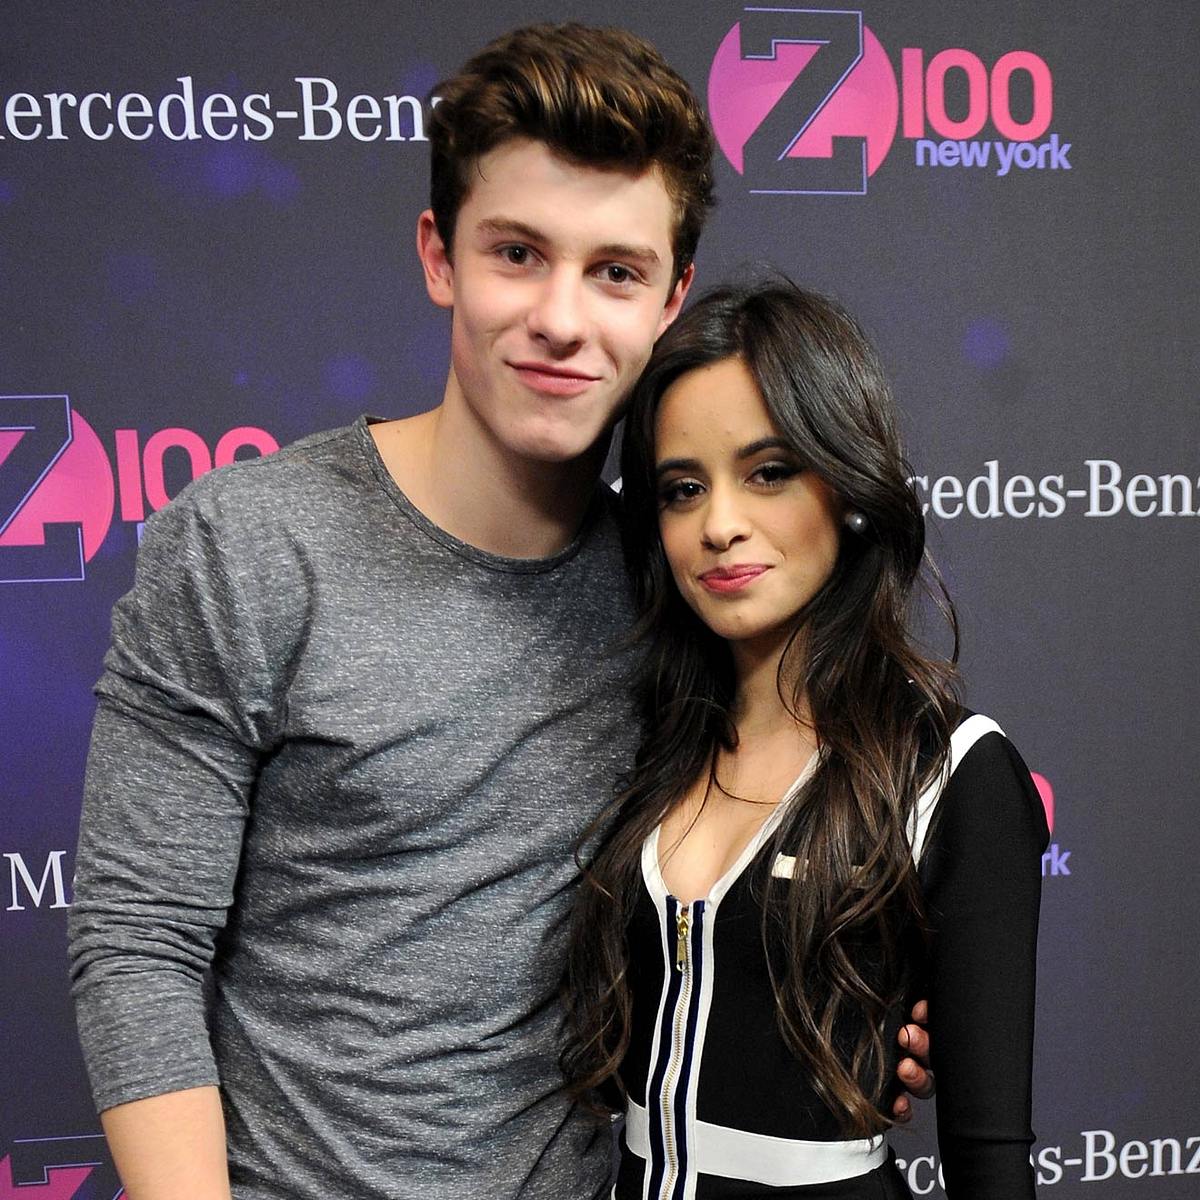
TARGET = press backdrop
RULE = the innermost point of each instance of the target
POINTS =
(206, 232)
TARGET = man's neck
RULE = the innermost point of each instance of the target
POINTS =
(468, 486)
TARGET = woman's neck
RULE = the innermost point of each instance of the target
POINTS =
(765, 700)
(774, 728)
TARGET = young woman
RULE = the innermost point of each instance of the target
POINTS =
(816, 831)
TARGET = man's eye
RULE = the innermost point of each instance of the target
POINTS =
(616, 273)
(517, 255)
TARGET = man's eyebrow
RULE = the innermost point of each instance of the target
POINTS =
(646, 254)
(506, 227)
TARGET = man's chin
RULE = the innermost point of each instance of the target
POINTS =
(565, 451)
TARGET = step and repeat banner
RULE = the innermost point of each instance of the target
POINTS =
(206, 242)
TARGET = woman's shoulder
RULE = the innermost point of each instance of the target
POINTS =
(967, 730)
(979, 745)
(984, 788)
(973, 730)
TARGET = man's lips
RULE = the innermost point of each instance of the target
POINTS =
(553, 380)
(732, 579)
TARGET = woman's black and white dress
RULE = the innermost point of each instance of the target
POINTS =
(720, 1108)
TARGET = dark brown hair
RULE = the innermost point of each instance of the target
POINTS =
(838, 937)
(598, 97)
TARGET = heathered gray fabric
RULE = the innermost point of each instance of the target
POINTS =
(344, 759)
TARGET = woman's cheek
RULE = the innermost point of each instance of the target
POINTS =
(679, 571)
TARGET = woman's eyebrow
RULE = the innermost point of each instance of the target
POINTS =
(767, 443)
(747, 451)
(676, 464)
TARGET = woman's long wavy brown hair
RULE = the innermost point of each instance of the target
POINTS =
(838, 936)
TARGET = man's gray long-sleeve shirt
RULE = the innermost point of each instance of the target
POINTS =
(339, 767)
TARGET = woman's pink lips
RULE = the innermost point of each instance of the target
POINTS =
(731, 579)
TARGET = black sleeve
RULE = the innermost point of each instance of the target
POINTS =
(981, 874)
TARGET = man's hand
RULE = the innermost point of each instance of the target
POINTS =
(913, 1070)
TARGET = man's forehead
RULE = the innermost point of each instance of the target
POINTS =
(525, 190)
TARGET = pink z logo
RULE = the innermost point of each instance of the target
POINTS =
(59, 1168)
(803, 101)
(56, 490)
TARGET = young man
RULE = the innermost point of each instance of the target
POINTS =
(362, 699)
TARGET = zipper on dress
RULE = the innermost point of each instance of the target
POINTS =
(683, 964)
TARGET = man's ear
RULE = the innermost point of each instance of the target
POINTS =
(435, 261)
(677, 297)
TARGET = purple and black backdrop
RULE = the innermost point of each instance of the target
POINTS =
(206, 225)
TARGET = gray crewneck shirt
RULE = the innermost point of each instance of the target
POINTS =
(340, 764)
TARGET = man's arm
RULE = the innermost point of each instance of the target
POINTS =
(169, 1145)
(184, 718)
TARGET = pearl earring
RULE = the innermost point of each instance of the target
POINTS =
(856, 521)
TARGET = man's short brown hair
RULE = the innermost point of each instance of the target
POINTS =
(597, 97)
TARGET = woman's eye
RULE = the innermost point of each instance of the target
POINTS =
(679, 491)
(775, 472)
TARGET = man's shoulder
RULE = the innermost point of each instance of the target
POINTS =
(315, 462)
(289, 487)
(267, 518)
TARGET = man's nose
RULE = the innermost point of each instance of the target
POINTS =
(558, 315)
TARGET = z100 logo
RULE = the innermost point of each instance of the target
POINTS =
(806, 102)
(58, 492)
(59, 1168)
